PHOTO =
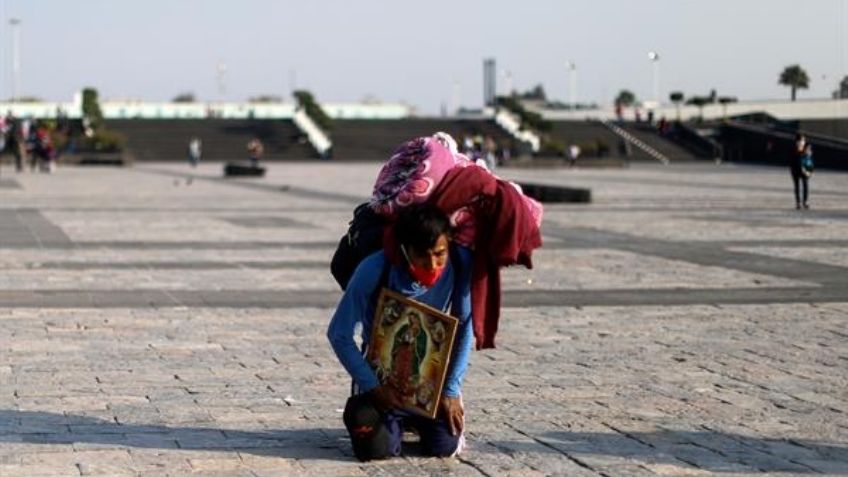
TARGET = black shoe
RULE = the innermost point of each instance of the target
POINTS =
(806, 206)
(798, 206)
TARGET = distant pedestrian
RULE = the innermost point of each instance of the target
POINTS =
(801, 168)
(662, 127)
(4, 130)
(194, 151)
(14, 140)
(255, 151)
(29, 131)
(490, 148)
(573, 154)
(43, 152)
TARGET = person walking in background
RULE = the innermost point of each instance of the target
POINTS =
(801, 168)
(29, 131)
(573, 154)
(490, 147)
(194, 151)
(43, 150)
(255, 149)
(4, 131)
(14, 140)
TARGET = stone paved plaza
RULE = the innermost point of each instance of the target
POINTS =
(158, 320)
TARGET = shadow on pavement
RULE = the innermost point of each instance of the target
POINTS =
(706, 450)
(51, 428)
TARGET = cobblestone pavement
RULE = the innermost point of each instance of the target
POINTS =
(159, 320)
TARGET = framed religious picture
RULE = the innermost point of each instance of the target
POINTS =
(410, 348)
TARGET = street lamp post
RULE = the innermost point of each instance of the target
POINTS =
(221, 77)
(507, 82)
(655, 60)
(16, 56)
(456, 97)
(572, 83)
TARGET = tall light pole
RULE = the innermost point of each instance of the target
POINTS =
(220, 76)
(572, 83)
(508, 82)
(655, 60)
(292, 81)
(456, 99)
(16, 56)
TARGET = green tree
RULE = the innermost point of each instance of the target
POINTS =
(795, 78)
(307, 101)
(700, 102)
(676, 97)
(842, 91)
(91, 108)
(625, 98)
(186, 97)
(537, 93)
(724, 101)
(265, 98)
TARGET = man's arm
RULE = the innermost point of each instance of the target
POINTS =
(352, 308)
(451, 402)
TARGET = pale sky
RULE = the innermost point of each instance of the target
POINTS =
(396, 50)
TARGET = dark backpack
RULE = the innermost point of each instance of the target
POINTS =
(364, 236)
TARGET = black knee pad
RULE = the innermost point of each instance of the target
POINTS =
(367, 430)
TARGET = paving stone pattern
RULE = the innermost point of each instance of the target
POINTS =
(161, 320)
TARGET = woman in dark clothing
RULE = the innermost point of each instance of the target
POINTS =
(801, 167)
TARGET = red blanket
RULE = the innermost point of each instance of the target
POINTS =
(507, 234)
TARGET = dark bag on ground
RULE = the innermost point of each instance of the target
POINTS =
(364, 236)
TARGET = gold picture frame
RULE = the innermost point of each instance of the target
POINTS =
(410, 350)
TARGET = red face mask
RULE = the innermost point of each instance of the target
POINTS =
(428, 278)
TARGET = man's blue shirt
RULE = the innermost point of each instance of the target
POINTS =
(359, 302)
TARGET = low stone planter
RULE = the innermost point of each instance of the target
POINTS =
(549, 193)
(243, 169)
(115, 159)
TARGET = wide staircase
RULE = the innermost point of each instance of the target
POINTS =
(836, 128)
(593, 137)
(376, 139)
(222, 139)
(669, 149)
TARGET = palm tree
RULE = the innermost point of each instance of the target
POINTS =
(700, 102)
(795, 78)
(625, 98)
(676, 97)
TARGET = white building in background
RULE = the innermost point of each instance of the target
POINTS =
(137, 109)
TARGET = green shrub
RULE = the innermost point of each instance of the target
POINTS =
(103, 140)
(306, 101)
(529, 119)
(552, 147)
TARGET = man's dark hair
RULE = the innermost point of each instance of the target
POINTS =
(420, 226)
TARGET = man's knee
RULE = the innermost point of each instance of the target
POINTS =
(442, 444)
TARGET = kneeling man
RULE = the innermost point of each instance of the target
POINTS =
(429, 269)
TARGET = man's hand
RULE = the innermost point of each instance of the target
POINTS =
(453, 413)
(385, 398)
